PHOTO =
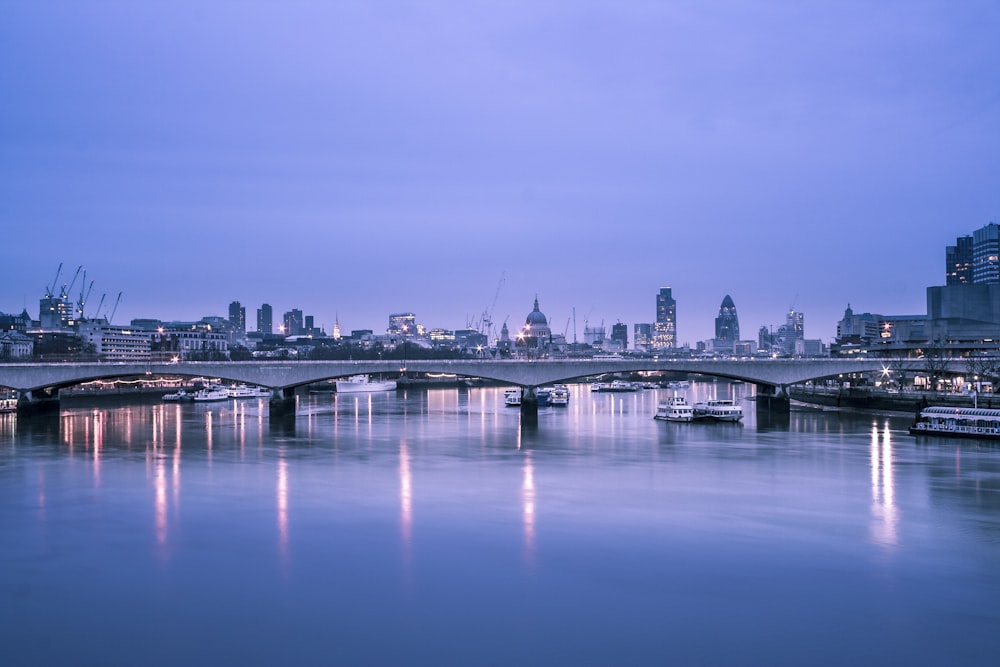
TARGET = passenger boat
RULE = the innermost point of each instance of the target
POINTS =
(213, 392)
(361, 383)
(243, 391)
(616, 386)
(559, 395)
(179, 395)
(512, 397)
(958, 422)
(674, 409)
(8, 405)
(719, 409)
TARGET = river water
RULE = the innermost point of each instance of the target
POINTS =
(434, 528)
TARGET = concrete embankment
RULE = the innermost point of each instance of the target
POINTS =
(865, 398)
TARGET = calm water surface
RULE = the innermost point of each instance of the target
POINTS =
(433, 528)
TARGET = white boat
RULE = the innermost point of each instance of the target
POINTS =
(719, 409)
(679, 384)
(674, 409)
(363, 383)
(179, 395)
(512, 397)
(244, 391)
(958, 422)
(213, 392)
(559, 395)
(8, 405)
(598, 386)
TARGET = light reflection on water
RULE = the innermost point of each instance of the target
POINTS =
(444, 521)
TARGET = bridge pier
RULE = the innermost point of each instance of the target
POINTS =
(281, 409)
(37, 402)
(772, 399)
(529, 405)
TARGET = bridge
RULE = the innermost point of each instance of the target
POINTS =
(39, 383)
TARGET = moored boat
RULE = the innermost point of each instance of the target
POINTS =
(559, 395)
(512, 397)
(179, 395)
(674, 409)
(244, 391)
(213, 392)
(8, 405)
(980, 423)
(719, 409)
(361, 383)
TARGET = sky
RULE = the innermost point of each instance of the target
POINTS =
(358, 159)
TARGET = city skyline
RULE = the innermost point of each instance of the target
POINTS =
(358, 161)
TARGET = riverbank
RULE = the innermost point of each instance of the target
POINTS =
(867, 398)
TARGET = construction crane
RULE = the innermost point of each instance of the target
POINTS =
(84, 294)
(487, 324)
(115, 309)
(97, 313)
(68, 290)
(50, 291)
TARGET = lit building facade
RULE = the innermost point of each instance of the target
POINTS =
(958, 261)
(986, 254)
(238, 316)
(665, 328)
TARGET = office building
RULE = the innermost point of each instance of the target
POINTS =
(727, 324)
(238, 316)
(265, 322)
(958, 261)
(986, 254)
(665, 328)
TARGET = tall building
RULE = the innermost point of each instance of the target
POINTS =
(619, 335)
(402, 322)
(958, 262)
(643, 336)
(727, 324)
(293, 323)
(238, 316)
(265, 320)
(986, 254)
(665, 328)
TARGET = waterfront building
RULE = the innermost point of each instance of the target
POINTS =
(958, 261)
(56, 312)
(15, 346)
(207, 339)
(117, 344)
(665, 328)
(986, 254)
(265, 322)
(18, 323)
(238, 316)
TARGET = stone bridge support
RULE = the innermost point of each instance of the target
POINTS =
(529, 405)
(37, 402)
(282, 408)
(772, 399)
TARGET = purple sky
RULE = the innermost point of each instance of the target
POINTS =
(365, 158)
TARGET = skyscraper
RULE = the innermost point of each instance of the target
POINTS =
(958, 262)
(727, 324)
(293, 323)
(238, 316)
(665, 328)
(265, 321)
(986, 254)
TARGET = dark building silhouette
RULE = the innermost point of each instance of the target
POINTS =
(958, 262)
(265, 319)
(727, 324)
(619, 334)
(293, 323)
(238, 316)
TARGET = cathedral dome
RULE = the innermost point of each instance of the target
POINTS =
(536, 318)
